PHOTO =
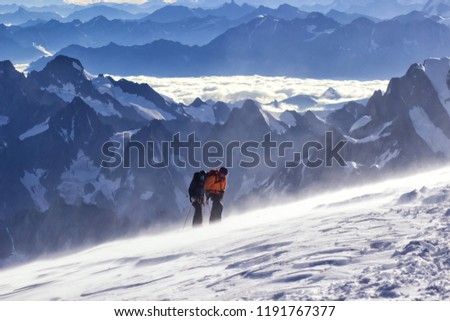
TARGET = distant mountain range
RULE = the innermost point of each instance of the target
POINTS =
(55, 35)
(11, 48)
(384, 9)
(99, 25)
(53, 123)
(315, 46)
(167, 14)
(381, 9)
(108, 12)
(22, 15)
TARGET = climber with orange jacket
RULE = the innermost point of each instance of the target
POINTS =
(215, 186)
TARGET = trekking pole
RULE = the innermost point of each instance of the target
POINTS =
(187, 216)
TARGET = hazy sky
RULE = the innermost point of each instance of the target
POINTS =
(254, 2)
(47, 2)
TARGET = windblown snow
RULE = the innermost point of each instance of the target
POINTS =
(383, 241)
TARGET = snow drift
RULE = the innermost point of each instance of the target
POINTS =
(382, 241)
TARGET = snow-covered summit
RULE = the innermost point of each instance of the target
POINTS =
(331, 93)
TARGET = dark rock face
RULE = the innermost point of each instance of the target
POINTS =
(197, 103)
(238, 123)
(6, 246)
(50, 158)
(345, 117)
(448, 80)
(221, 111)
(301, 178)
(392, 112)
(142, 90)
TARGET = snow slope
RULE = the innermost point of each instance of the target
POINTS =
(437, 71)
(383, 241)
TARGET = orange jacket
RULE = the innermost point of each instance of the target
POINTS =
(215, 185)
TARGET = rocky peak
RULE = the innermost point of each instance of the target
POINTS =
(63, 69)
(7, 71)
(197, 103)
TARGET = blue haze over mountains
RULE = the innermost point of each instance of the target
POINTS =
(232, 38)
(315, 46)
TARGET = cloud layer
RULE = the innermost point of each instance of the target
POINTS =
(263, 89)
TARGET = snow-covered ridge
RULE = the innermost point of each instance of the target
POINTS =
(203, 113)
(32, 182)
(145, 108)
(36, 130)
(81, 173)
(373, 137)
(382, 241)
(363, 121)
(437, 70)
(43, 50)
(67, 92)
(4, 120)
(432, 135)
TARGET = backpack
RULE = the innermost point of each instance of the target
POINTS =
(196, 186)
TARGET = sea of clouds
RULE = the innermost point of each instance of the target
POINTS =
(262, 89)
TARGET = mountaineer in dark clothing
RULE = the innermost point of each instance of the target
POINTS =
(197, 197)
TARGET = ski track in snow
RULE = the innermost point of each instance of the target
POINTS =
(384, 241)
